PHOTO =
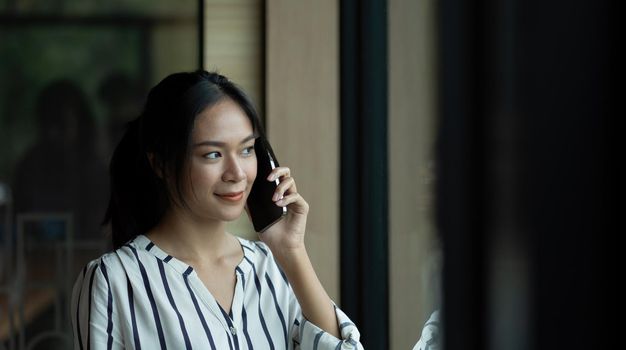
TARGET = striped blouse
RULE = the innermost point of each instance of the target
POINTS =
(140, 297)
(431, 336)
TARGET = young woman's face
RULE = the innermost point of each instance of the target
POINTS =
(222, 163)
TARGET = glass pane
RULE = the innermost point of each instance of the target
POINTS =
(73, 73)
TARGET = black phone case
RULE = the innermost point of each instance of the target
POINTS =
(263, 211)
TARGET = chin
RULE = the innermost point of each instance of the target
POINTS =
(232, 216)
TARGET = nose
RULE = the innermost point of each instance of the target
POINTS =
(234, 171)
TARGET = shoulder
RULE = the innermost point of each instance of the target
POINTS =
(99, 269)
(108, 267)
(259, 257)
(430, 338)
(117, 259)
(93, 280)
(252, 245)
(255, 251)
(111, 273)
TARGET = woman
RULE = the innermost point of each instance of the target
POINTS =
(176, 278)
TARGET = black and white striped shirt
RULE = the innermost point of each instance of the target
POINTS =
(139, 297)
(431, 336)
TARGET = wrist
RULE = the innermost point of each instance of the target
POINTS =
(291, 258)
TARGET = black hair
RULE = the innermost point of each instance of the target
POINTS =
(140, 193)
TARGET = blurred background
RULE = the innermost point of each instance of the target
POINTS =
(72, 74)
(457, 155)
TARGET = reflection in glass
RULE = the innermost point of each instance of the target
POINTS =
(73, 72)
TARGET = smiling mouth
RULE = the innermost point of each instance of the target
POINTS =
(231, 197)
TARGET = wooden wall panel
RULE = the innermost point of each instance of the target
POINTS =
(233, 42)
(302, 91)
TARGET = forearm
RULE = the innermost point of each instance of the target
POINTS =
(315, 303)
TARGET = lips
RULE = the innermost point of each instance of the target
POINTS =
(231, 196)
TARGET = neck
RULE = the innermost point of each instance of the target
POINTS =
(191, 239)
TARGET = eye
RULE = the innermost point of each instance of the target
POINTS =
(248, 151)
(212, 155)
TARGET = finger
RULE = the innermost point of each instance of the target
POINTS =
(280, 172)
(286, 186)
(288, 199)
(295, 202)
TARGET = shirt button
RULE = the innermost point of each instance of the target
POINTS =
(233, 331)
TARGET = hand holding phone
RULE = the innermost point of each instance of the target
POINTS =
(262, 209)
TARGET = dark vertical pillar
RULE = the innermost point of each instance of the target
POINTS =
(460, 172)
(566, 101)
(364, 252)
(525, 173)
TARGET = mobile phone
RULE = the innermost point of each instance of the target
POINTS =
(263, 211)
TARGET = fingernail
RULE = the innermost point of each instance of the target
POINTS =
(271, 177)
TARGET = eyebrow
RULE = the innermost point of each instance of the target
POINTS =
(222, 144)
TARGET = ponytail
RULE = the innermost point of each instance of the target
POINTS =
(137, 200)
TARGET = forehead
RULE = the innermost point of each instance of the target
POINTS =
(224, 121)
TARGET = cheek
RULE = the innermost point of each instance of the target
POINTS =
(251, 170)
(202, 178)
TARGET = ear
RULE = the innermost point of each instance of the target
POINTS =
(155, 164)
